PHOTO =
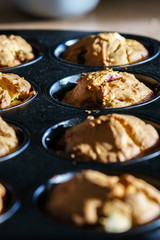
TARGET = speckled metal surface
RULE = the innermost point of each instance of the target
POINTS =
(34, 166)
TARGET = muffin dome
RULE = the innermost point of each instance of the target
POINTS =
(105, 49)
(107, 88)
(108, 138)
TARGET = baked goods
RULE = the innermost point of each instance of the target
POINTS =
(8, 138)
(107, 88)
(116, 203)
(2, 196)
(14, 50)
(13, 90)
(105, 49)
(108, 138)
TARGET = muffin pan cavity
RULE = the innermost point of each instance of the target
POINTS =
(21, 104)
(41, 194)
(11, 203)
(150, 44)
(53, 134)
(57, 91)
(23, 139)
(38, 53)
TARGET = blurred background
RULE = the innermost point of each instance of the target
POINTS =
(136, 16)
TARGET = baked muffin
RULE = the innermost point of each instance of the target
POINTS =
(8, 139)
(2, 196)
(108, 138)
(107, 88)
(105, 49)
(116, 203)
(13, 90)
(14, 50)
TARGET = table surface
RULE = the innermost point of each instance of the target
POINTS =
(137, 17)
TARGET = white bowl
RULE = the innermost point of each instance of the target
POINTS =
(57, 8)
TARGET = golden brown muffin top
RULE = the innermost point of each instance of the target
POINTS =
(108, 138)
(107, 88)
(2, 195)
(105, 49)
(14, 50)
(13, 89)
(117, 203)
(8, 138)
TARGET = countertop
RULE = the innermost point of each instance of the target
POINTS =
(137, 17)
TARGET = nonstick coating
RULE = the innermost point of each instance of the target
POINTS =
(34, 166)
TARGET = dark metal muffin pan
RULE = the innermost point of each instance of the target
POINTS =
(30, 168)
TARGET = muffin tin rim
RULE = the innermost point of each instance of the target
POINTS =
(149, 154)
(51, 182)
(154, 42)
(25, 143)
(48, 93)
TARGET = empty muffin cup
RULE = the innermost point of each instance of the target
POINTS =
(23, 137)
(150, 44)
(42, 199)
(58, 90)
(54, 139)
(10, 203)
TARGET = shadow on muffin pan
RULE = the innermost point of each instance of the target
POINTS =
(57, 91)
(37, 53)
(53, 134)
(41, 194)
(23, 138)
(150, 44)
(11, 204)
(34, 88)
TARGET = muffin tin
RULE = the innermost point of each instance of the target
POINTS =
(35, 163)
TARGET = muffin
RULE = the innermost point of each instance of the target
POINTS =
(13, 90)
(107, 89)
(105, 49)
(2, 196)
(108, 138)
(8, 139)
(14, 50)
(114, 203)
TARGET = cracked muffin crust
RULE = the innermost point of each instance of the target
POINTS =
(14, 50)
(107, 88)
(116, 203)
(2, 196)
(8, 139)
(105, 49)
(13, 90)
(108, 138)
